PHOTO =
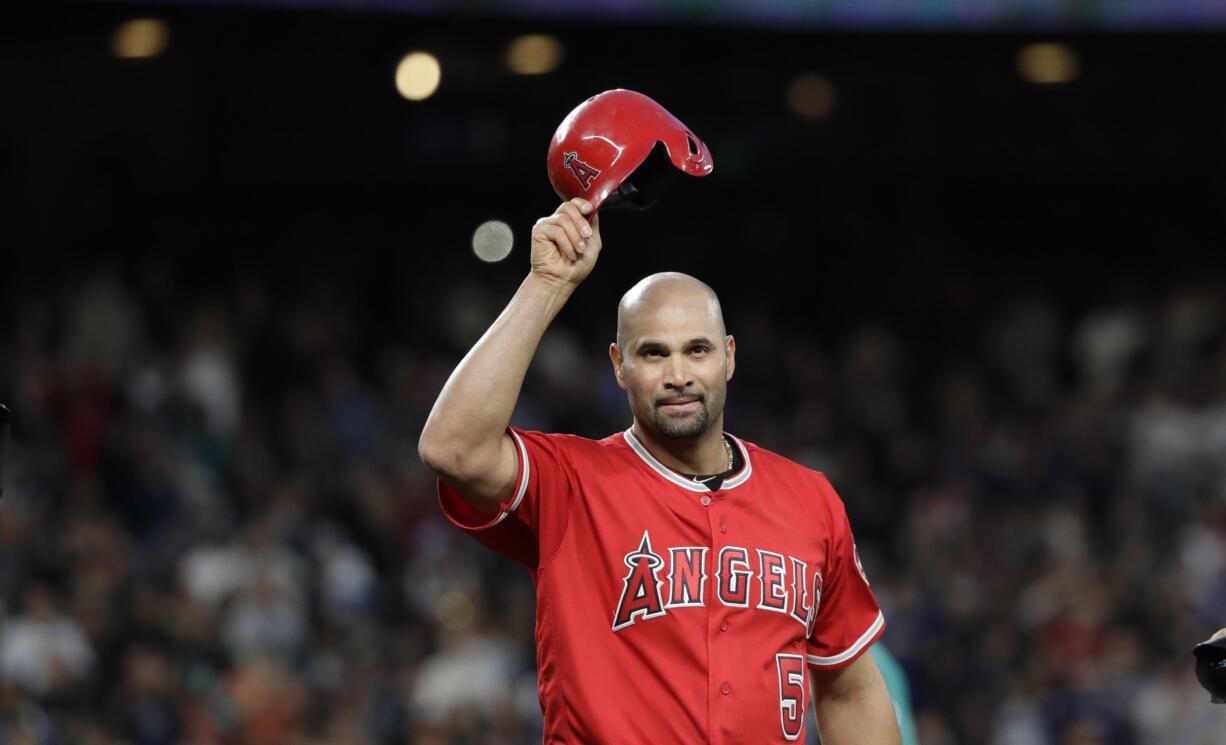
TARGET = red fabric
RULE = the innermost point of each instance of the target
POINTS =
(604, 140)
(625, 654)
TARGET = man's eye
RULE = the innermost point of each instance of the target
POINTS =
(699, 350)
(654, 353)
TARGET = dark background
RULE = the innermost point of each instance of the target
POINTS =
(939, 163)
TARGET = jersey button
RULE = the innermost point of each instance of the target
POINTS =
(725, 689)
(723, 528)
(705, 501)
(723, 626)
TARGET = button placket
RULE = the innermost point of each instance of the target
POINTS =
(720, 640)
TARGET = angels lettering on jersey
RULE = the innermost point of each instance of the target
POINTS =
(654, 587)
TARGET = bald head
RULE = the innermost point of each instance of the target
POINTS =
(667, 295)
(673, 357)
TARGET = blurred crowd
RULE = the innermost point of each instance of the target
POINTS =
(216, 528)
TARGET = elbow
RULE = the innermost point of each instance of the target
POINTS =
(445, 457)
(455, 458)
(434, 454)
(440, 463)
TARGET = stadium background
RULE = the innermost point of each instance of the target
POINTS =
(978, 282)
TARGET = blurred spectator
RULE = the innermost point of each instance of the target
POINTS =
(217, 529)
(42, 650)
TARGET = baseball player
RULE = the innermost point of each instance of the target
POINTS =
(691, 586)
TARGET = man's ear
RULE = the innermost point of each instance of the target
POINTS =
(615, 356)
(730, 350)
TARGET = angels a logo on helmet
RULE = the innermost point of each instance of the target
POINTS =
(582, 171)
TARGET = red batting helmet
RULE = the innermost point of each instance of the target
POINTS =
(614, 150)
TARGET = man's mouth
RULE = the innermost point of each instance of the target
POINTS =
(681, 403)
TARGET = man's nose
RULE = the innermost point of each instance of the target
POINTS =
(677, 372)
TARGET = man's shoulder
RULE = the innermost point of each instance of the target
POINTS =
(776, 464)
(572, 443)
(771, 460)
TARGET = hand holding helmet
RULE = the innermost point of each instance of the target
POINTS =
(565, 245)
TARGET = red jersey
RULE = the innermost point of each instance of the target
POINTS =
(670, 613)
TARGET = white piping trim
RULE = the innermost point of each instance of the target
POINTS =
(672, 476)
(523, 478)
(520, 490)
(854, 649)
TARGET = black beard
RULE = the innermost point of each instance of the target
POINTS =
(687, 429)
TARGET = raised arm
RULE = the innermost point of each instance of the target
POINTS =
(464, 440)
(853, 705)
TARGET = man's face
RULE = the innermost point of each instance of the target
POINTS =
(674, 362)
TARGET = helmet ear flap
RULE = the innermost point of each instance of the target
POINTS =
(643, 187)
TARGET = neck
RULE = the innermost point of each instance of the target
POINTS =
(703, 454)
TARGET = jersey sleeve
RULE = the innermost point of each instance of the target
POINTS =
(848, 618)
(530, 525)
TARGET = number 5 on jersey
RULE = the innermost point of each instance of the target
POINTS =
(791, 669)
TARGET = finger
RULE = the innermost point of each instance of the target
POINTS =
(560, 239)
(1220, 633)
(561, 242)
(572, 212)
(567, 222)
(582, 204)
(595, 241)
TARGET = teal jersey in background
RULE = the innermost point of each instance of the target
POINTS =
(900, 693)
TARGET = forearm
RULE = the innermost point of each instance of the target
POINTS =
(474, 408)
(860, 720)
(853, 706)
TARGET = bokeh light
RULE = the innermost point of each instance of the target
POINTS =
(492, 241)
(534, 54)
(811, 96)
(140, 38)
(1048, 63)
(418, 75)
